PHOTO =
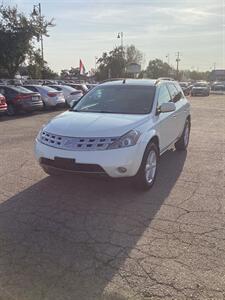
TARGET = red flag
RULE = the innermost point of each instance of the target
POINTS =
(82, 68)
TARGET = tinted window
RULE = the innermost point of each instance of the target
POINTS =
(56, 88)
(201, 85)
(48, 88)
(121, 99)
(31, 88)
(2, 90)
(21, 89)
(164, 95)
(69, 89)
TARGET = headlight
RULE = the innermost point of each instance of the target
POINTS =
(40, 133)
(127, 140)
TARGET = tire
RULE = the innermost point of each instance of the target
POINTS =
(50, 171)
(10, 110)
(151, 155)
(182, 143)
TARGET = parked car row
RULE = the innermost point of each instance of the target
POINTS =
(31, 97)
(201, 88)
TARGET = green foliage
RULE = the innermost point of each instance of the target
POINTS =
(112, 64)
(72, 73)
(157, 68)
(17, 33)
(133, 55)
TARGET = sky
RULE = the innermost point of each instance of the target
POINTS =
(159, 28)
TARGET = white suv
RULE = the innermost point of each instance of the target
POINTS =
(120, 128)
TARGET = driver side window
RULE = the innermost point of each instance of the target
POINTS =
(164, 95)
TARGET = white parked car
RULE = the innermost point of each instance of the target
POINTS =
(71, 95)
(50, 96)
(120, 128)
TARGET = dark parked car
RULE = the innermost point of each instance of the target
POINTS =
(3, 105)
(200, 89)
(186, 87)
(20, 99)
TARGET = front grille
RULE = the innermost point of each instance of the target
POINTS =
(71, 165)
(76, 143)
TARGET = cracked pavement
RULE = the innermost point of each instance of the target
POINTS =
(98, 239)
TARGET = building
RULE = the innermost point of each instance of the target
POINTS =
(217, 75)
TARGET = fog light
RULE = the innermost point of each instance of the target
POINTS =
(122, 169)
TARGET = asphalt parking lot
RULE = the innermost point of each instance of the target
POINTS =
(90, 238)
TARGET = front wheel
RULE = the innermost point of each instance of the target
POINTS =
(182, 143)
(146, 175)
(51, 171)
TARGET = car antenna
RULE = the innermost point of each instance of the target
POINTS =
(124, 81)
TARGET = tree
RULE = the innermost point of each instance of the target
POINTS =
(157, 68)
(17, 33)
(133, 55)
(47, 73)
(111, 65)
(72, 73)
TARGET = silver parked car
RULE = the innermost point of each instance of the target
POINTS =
(71, 95)
(50, 96)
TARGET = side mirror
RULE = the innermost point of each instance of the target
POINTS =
(167, 107)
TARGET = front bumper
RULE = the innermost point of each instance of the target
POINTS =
(108, 160)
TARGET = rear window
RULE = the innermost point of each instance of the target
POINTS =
(69, 89)
(21, 89)
(48, 89)
(201, 85)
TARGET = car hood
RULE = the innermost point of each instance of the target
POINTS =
(82, 124)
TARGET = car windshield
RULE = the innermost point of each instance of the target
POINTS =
(118, 99)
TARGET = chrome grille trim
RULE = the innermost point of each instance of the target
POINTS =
(76, 143)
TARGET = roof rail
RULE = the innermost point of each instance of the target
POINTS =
(112, 79)
(164, 78)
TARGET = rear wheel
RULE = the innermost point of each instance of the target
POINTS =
(146, 175)
(183, 142)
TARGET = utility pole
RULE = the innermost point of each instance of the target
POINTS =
(178, 61)
(37, 12)
(96, 59)
(120, 36)
(168, 58)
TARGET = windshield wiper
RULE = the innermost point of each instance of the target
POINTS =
(92, 111)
